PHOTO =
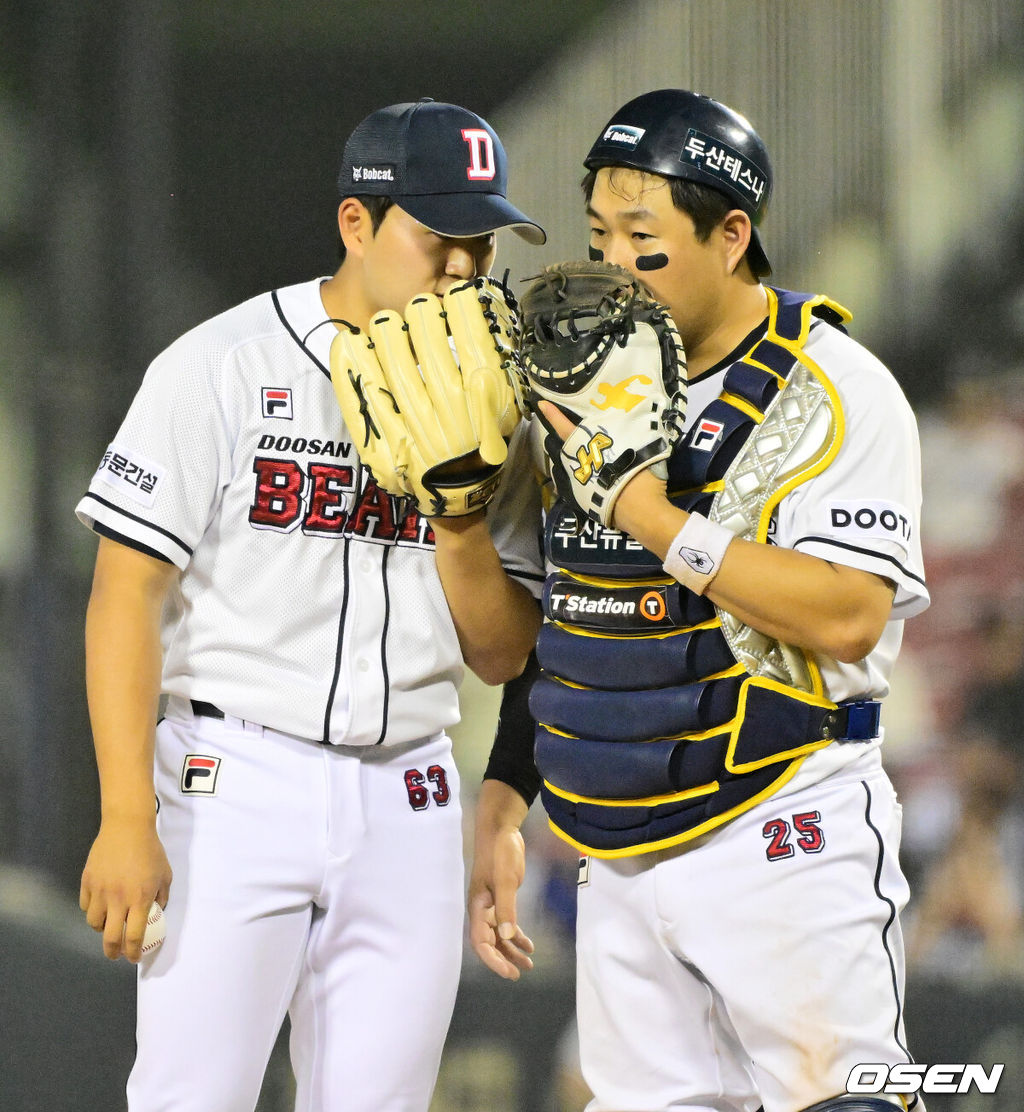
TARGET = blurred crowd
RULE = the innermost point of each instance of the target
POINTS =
(956, 752)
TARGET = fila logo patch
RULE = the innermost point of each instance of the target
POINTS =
(583, 876)
(199, 774)
(706, 435)
(277, 402)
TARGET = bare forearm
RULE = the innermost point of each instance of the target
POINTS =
(496, 618)
(499, 807)
(123, 689)
(788, 595)
(127, 868)
(123, 660)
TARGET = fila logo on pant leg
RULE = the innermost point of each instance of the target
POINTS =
(199, 774)
(583, 876)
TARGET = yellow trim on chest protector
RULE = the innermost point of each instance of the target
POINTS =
(731, 764)
(691, 834)
(791, 438)
(746, 503)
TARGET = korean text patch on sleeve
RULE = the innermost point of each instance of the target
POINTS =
(131, 473)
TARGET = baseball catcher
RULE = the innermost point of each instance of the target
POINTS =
(609, 356)
(431, 398)
(708, 680)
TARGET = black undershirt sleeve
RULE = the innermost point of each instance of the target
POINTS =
(511, 759)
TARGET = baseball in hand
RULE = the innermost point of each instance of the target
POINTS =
(156, 930)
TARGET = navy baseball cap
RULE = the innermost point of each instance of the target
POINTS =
(442, 164)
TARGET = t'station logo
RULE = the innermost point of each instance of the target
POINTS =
(199, 774)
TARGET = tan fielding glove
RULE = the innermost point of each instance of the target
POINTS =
(431, 399)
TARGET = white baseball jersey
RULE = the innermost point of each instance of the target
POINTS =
(308, 605)
(308, 878)
(862, 511)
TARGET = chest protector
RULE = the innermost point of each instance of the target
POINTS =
(661, 716)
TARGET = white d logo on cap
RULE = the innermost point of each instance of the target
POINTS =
(481, 154)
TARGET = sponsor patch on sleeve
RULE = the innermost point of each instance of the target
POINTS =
(130, 473)
(277, 402)
(867, 519)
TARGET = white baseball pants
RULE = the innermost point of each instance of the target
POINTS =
(322, 882)
(757, 967)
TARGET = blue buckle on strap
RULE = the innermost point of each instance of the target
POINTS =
(858, 720)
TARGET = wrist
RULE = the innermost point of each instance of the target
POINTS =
(141, 813)
(462, 528)
(641, 501)
(499, 807)
(696, 552)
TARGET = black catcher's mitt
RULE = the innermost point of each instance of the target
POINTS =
(606, 353)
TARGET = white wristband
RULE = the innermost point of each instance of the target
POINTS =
(695, 555)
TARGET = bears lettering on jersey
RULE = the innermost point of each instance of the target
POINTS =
(321, 499)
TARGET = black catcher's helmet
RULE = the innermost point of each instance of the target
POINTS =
(680, 134)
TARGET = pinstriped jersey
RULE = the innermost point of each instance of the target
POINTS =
(309, 599)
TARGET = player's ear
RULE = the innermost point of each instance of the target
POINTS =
(354, 226)
(735, 232)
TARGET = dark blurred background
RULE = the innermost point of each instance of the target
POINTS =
(160, 162)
